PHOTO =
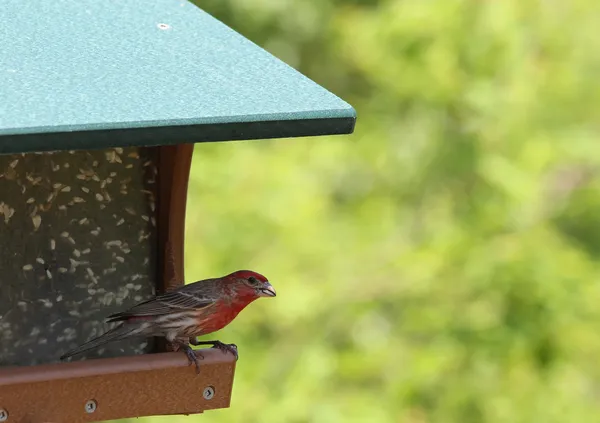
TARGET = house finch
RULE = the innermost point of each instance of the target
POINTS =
(183, 314)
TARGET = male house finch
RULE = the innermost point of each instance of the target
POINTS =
(183, 314)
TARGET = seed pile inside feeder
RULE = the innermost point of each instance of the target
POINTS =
(78, 233)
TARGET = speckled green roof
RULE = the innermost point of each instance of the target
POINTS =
(79, 74)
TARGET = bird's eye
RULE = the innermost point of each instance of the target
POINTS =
(253, 280)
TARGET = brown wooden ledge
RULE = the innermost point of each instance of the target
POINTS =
(134, 386)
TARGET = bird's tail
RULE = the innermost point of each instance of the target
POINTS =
(120, 332)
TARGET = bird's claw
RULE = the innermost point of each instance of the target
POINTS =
(225, 348)
(192, 357)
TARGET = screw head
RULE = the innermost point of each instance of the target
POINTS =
(163, 26)
(3, 415)
(91, 406)
(208, 393)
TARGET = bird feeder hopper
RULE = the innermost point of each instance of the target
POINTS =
(100, 105)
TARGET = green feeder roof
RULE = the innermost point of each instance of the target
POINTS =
(84, 74)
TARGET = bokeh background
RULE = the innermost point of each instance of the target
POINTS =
(440, 264)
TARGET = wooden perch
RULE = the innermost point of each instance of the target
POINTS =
(116, 388)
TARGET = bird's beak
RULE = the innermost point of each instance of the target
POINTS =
(267, 291)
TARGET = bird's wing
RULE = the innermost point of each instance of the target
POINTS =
(170, 302)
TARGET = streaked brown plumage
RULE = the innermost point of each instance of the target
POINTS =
(182, 315)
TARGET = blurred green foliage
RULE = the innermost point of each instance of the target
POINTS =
(439, 265)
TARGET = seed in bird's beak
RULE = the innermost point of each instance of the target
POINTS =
(267, 291)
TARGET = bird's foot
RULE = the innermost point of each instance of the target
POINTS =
(225, 348)
(192, 357)
(232, 348)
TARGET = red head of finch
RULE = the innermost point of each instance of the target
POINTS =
(183, 314)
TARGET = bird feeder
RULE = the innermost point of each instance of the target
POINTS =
(100, 104)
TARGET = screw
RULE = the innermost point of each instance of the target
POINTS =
(3, 415)
(163, 26)
(90, 406)
(209, 393)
